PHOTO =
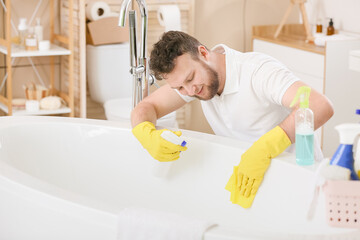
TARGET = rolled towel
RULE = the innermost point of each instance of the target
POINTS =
(146, 224)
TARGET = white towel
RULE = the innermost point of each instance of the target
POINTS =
(147, 224)
(321, 39)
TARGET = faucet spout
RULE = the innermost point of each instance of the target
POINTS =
(123, 11)
(139, 64)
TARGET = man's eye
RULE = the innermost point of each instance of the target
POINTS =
(192, 77)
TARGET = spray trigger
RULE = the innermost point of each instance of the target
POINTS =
(304, 94)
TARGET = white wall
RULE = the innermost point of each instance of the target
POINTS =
(345, 13)
(230, 22)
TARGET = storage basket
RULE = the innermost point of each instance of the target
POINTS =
(342, 203)
(35, 92)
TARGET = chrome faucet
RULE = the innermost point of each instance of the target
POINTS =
(139, 64)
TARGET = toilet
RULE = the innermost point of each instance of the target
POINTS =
(110, 82)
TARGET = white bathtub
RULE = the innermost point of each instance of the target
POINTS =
(64, 178)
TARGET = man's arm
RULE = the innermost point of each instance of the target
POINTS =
(161, 102)
(248, 175)
(319, 104)
(143, 119)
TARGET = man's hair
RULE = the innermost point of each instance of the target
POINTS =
(171, 45)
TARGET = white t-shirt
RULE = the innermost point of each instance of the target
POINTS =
(251, 102)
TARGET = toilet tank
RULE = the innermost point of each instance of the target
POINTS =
(108, 75)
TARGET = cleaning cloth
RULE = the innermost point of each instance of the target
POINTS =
(147, 224)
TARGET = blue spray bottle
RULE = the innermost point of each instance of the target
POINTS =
(343, 156)
(357, 151)
(304, 128)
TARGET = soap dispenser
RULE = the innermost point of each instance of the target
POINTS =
(304, 128)
(330, 28)
(22, 28)
(38, 30)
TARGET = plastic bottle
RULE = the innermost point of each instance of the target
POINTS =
(30, 41)
(357, 152)
(304, 128)
(343, 156)
(319, 28)
(22, 28)
(330, 28)
(161, 169)
(38, 30)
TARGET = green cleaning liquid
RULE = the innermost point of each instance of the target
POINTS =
(304, 149)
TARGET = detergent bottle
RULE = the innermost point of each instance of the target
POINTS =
(357, 151)
(343, 156)
(304, 128)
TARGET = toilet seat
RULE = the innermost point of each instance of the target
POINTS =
(119, 109)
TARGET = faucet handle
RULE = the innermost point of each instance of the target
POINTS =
(152, 80)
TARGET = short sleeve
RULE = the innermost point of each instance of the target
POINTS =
(271, 79)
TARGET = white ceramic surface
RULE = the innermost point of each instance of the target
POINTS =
(68, 178)
(120, 109)
(107, 68)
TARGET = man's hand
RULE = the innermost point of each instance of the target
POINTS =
(248, 175)
(158, 147)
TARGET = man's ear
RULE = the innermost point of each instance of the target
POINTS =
(203, 53)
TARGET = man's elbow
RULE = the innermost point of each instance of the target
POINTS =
(328, 110)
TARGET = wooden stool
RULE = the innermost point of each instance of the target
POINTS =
(309, 36)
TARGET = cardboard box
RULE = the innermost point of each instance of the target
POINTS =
(106, 31)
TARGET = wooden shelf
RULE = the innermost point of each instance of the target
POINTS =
(292, 35)
(24, 112)
(17, 51)
(11, 50)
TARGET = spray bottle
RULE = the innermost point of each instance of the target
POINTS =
(161, 169)
(304, 128)
(357, 152)
(349, 133)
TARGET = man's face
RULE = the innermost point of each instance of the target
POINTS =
(193, 78)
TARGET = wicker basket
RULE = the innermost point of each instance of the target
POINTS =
(35, 92)
(342, 203)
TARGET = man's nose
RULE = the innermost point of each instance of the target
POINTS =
(195, 89)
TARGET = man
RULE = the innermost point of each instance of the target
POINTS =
(243, 95)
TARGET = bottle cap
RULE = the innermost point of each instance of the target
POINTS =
(304, 94)
(357, 111)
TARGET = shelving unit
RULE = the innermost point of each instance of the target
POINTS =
(13, 51)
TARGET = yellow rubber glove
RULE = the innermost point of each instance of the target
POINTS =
(158, 147)
(248, 175)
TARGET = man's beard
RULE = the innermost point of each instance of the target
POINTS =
(213, 88)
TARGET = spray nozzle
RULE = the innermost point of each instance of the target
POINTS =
(304, 94)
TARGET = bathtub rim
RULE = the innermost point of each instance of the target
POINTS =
(17, 180)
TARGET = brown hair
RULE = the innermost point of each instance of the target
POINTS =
(171, 45)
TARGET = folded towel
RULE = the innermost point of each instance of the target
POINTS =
(321, 39)
(147, 224)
